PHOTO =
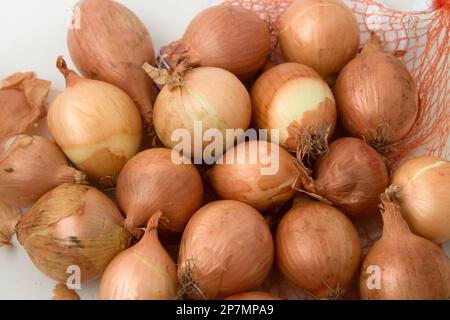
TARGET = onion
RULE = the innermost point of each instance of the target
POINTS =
(30, 166)
(255, 296)
(402, 265)
(351, 176)
(421, 186)
(318, 248)
(295, 100)
(73, 225)
(322, 34)
(111, 44)
(96, 124)
(8, 220)
(376, 97)
(61, 292)
(227, 37)
(142, 272)
(152, 182)
(226, 248)
(244, 180)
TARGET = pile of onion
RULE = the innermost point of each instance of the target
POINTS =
(294, 99)
(227, 248)
(258, 173)
(30, 166)
(228, 37)
(402, 265)
(152, 182)
(96, 124)
(318, 248)
(322, 34)
(377, 98)
(142, 272)
(351, 176)
(73, 225)
(421, 187)
(108, 42)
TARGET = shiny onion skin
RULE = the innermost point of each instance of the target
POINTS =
(111, 44)
(255, 296)
(143, 272)
(377, 98)
(245, 181)
(352, 175)
(228, 37)
(318, 248)
(421, 187)
(402, 265)
(294, 99)
(73, 225)
(96, 125)
(322, 34)
(30, 166)
(151, 182)
(226, 248)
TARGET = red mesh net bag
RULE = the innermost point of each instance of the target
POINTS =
(421, 40)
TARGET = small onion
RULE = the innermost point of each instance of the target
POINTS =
(226, 248)
(255, 296)
(96, 124)
(402, 265)
(322, 34)
(318, 248)
(108, 42)
(142, 272)
(245, 181)
(227, 37)
(73, 225)
(152, 182)
(422, 188)
(376, 97)
(294, 99)
(30, 166)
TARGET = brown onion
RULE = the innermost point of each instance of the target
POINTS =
(318, 248)
(247, 181)
(227, 37)
(226, 248)
(402, 265)
(142, 272)
(255, 296)
(108, 42)
(322, 34)
(152, 182)
(73, 226)
(377, 97)
(9, 216)
(351, 176)
(30, 166)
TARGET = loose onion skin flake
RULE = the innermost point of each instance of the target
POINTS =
(226, 248)
(255, 296)
(9, 216)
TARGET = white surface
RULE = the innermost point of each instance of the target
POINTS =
(33, 34)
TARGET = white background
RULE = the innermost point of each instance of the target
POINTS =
(32, 35)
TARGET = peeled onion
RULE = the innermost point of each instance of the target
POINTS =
(255, 296)
(264, 178)
(96, 125)
(108, 42)
(294, 99)
(142, 272)
(226, 248)
(322, 34)
(30, 166)
(152, 182)
(422, 188)
(73, 226)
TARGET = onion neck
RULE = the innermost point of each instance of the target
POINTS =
(162, 77)
(66, 174)
(71, 76)
(394, 223)
(373, 45)
(151, 233)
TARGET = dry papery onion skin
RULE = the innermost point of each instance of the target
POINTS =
(96, 124)
(294, 99)
(108, 42)
(30, 166)
(62, 292)
(421, 187)
(228, 37)
(255, 296)
(73, 225)
(9, 216)
(245, 180)
(226, 248)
